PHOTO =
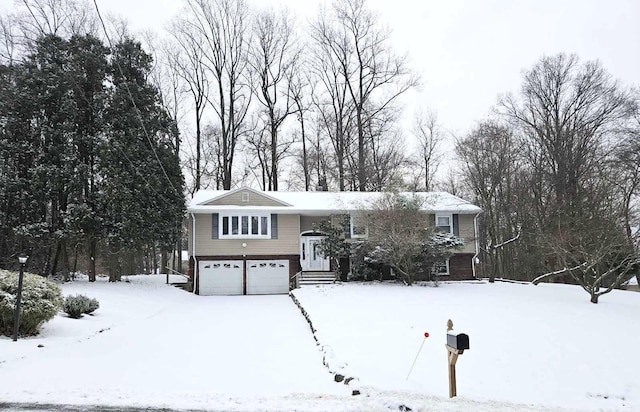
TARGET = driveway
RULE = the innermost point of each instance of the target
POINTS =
(173, 349)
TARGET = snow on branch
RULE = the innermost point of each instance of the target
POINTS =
(557, 272)
(506, 242)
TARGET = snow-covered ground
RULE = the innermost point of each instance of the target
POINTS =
(152, 345)
(541, 345)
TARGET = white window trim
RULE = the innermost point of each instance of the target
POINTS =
(221, 235)
(448, 272)
(448, 215)
(354, 235)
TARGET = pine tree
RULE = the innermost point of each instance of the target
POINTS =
(143, 185)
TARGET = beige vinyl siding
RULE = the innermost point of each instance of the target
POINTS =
(287, 243)
(467, 232)
(235, 199)
(307, 222)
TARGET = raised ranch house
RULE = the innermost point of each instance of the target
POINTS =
(246, 241)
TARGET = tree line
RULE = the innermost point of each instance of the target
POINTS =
(88, 159)
(556, 172)
(263, 99)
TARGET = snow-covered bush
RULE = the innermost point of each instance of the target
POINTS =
(41, 301)
(76, 306)
(92, 306)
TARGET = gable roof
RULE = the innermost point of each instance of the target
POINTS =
(225, 193)
(324, 203)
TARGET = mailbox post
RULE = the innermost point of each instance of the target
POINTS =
(456, 345)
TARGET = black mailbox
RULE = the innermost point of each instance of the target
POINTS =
(458, 341)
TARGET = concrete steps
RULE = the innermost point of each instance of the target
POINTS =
(316, 278)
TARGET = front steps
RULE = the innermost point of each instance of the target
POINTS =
(316, 278)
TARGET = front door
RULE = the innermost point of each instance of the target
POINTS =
(310, 256)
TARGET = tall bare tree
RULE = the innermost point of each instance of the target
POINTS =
(62, 18)
(489, 156)
(223, 27)
(186, 59)
(375, 76)
(330, 94)
(8, 39)
(273, 57)
(565, 113)
(299, 89)
(569, 116)
(427, 131)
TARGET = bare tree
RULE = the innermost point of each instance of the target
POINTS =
(186, 59)
(298, 91)
(626, 163)
(386, 159)
(489, 156)
(428, 133)
(273, 57)
(569, 116)
(330, 95)
(8, 39)
(565, 112)
(63, 18)
(374, 75)
(223, 30)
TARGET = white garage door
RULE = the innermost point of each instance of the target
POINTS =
(220, 277)
(265, 277)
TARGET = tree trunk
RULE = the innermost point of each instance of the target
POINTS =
(198, 150)
(274, 156)
(92, 260)
(179, 266)
(305, 163)
(163, 261)
(594, 297)
(56, 256)
(362, 177)
(65, 261)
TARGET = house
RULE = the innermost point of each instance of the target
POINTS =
(246, 241)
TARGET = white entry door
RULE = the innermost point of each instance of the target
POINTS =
(310, 256)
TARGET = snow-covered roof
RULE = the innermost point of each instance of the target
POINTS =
(327, 202)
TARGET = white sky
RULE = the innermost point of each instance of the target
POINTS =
(468, 52)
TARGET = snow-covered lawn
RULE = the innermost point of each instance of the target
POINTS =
(545, 346)
(152, 345)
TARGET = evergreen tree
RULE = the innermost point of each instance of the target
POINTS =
(143, 186)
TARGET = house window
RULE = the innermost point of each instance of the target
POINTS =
(441, 268)
(444, 223)
(245, 226)
(358, 227)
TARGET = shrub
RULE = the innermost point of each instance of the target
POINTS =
(76, 306)
(92, 306)
(41, 301)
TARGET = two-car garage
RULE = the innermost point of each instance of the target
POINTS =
(239, 277)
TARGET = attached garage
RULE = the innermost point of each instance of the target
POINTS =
(267, 277)
(220, 277)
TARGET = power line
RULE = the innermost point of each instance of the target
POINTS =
(138, 113)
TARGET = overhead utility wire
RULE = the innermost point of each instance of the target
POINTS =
(138, 113)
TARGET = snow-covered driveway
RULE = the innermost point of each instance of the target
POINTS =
(168, 348)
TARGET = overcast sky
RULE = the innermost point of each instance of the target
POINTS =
(468, 52)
